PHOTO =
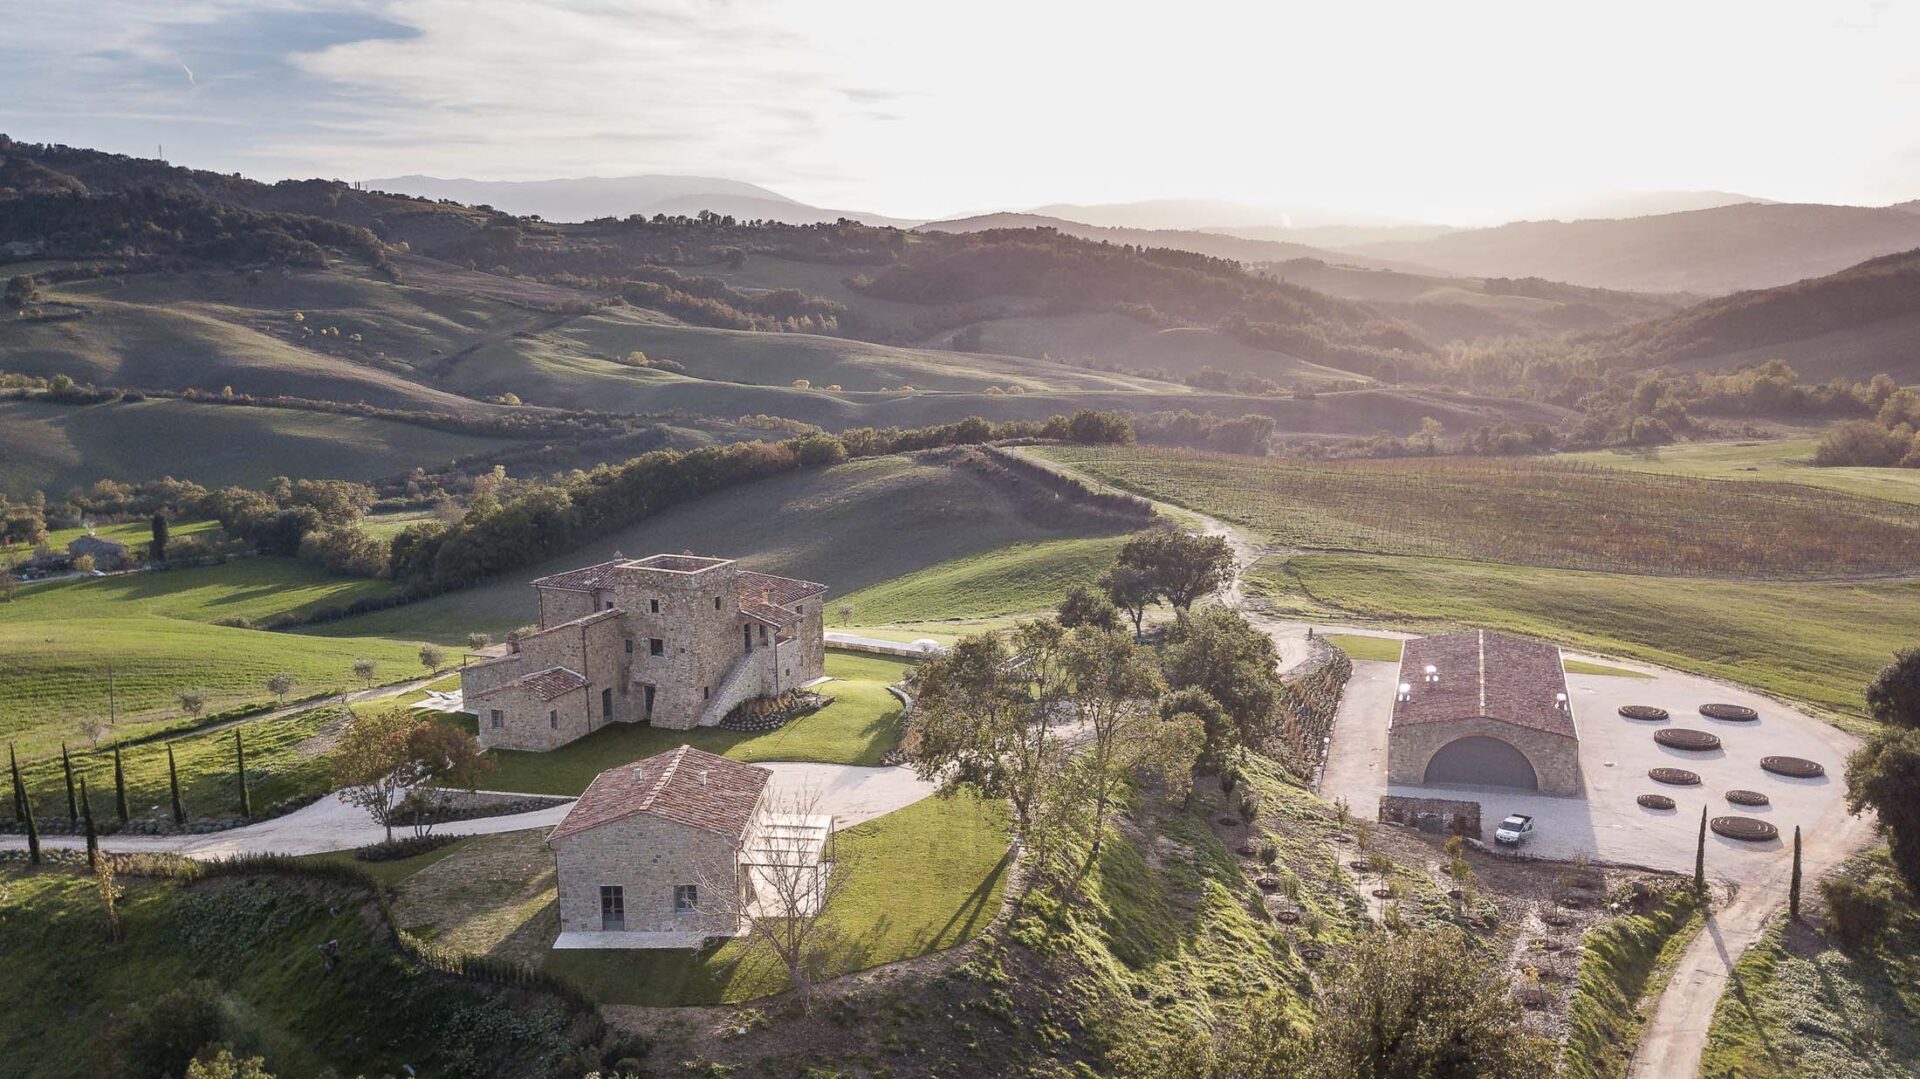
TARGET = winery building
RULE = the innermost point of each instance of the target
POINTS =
(676, 641)
(1480, 709)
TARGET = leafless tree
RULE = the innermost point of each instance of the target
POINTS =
(783, 886)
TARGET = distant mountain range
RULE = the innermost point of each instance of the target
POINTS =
(1644, 204)
(587, 198)
(1216, 244)
(1852, 324)
(1714, 251)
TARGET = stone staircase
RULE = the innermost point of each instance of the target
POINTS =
(742, 682)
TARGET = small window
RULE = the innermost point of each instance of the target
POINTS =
(613, 908)
(656, 646)
(606, 704)
(716, 603)
(763, 633)
(629, 646)
(553, 719)
(653, 606)
(496, 719)
(703, 693)
(608, 607)
(686, 898)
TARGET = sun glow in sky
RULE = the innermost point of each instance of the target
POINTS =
(1462, 112)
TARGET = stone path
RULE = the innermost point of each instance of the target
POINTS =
(851, 794)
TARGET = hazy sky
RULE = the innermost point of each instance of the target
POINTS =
(1441, 111)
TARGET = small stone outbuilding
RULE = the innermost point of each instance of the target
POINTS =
(635, 853)
(1481, 709)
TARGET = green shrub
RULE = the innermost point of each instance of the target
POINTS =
(1857, 910)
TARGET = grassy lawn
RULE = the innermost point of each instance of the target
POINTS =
(1020, 579)
(249, 943)
(1581, 666)
(390, 873)
(1816, 643)
(156, 632)
(137, 535)
(859, 727)
(1526, 512)
(1788, 460)
(922, 878)
(1799, 1005)
(1357, 646)
(286, 758)
(1623, 966)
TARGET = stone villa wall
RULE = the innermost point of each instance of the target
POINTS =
(1452, 815)
(646, 856)
(524, 718)
(1555, 758)
(701, 640)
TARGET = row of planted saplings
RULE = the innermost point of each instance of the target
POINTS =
(79, 796)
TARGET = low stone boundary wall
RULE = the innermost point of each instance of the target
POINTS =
(1432, 814)
(879, 648)
(1304, 719)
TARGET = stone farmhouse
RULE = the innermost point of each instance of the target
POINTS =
(641, 855)
(1482, 709)
(676, 641)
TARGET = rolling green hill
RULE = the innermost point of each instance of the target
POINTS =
(54, 447)
(1852, 324)
(849, 527)
(157, 632)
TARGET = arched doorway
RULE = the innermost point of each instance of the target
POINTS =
(1479, 761)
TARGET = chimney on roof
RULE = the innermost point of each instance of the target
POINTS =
(1560, 701)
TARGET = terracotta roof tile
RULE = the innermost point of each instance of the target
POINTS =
(686, 785)
(1484, 674)
(766, 588)
(779, 617)
(584, 579)
(546, 685)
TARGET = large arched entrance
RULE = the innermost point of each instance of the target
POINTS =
(1479, 761)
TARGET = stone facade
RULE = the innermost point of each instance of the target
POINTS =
(647, 858)
(1488, 701)
(672, 640)
(1555, 758)
(647, 845)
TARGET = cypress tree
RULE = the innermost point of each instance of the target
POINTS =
(240, 766)
(119, 786)
(16, 787)
(1700, 856)
(66, 764)
(93, 837)
(1793, 890)
(173, 784)
(26, 814)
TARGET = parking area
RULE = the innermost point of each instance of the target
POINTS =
(1604, 822)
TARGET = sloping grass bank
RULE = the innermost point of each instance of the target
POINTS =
(1623, 968)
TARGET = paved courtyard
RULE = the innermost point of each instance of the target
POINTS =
(1605, 823)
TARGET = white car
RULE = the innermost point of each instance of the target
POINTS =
(1514, 830)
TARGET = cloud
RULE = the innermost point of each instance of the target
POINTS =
(529, 88)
